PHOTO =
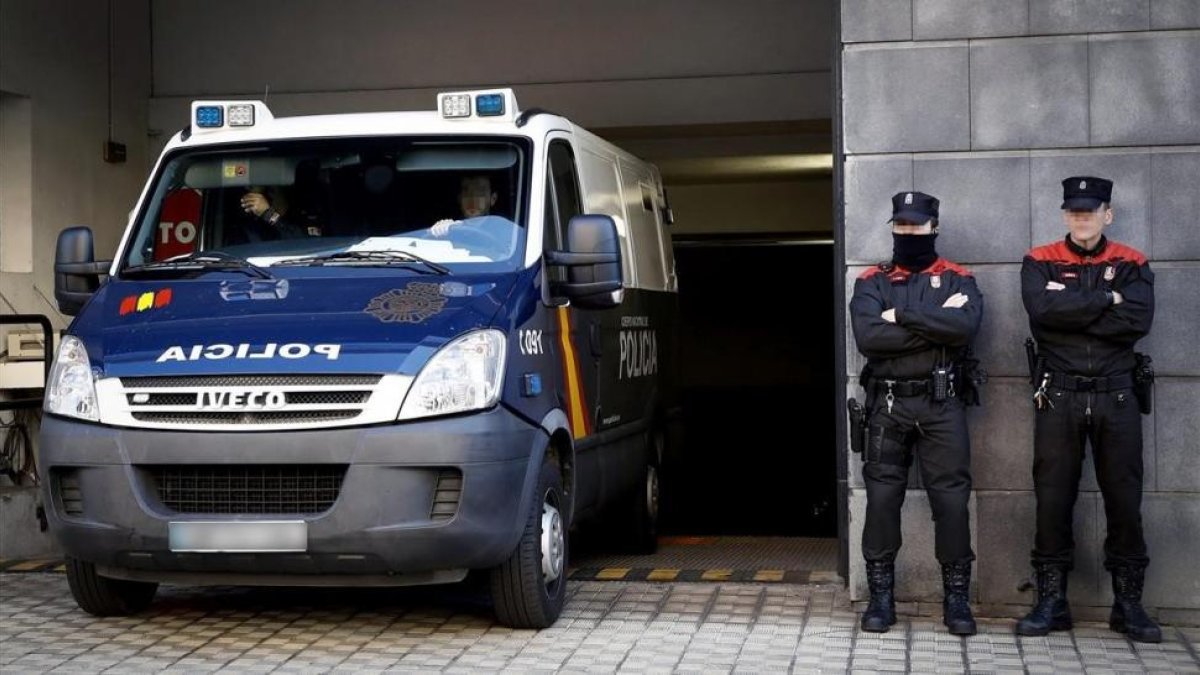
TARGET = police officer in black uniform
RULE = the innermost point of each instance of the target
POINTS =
(1089, 301)
(914, 318)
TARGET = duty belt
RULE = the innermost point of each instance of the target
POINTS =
(1096, 384)
(902, 388)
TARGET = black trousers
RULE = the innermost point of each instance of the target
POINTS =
(936, 433)
(1110, 421)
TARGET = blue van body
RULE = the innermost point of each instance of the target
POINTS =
(238, 396)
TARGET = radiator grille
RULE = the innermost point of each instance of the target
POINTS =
(293, 397)
(245, 400)
(248, 489)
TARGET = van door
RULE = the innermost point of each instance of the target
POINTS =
(574, 331)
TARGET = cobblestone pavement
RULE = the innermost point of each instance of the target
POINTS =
(607, 626)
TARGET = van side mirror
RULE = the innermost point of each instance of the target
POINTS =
(76, 272)
(593, 262)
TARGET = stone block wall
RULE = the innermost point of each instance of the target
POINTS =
(988, 104)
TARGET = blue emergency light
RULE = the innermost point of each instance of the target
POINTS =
(489, 105)
(210, 116)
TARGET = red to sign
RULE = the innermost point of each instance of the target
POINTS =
(177, 229)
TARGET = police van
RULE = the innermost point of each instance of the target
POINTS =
(364, 350)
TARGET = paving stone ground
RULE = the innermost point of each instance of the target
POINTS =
(606, 627)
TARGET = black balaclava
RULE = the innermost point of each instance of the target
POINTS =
(914, 252)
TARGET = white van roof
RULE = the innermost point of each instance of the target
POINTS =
(219, 122)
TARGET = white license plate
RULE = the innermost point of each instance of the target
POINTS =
(231, 536)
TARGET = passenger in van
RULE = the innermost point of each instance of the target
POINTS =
(272, 208)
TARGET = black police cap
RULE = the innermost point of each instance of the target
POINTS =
(914, 207)
(1086, 192)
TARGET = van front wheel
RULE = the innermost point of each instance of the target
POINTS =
(530, 588)
(102, 596)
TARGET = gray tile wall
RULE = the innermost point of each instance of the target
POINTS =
(989, 104)
(1029, 93)
(906, 99)
(1167, 14)
(945, 19)
(1087, 16)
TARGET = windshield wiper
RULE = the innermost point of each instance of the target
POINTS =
(367, 258)
(208, 260)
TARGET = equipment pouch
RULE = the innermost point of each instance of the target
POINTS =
(1143, 382)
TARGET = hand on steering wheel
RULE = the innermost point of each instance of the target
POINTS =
(481, 237)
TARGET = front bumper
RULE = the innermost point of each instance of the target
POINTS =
(380, 524)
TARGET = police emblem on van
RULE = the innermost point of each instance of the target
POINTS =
(415, 303)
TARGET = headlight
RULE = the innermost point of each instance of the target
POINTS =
(72, 388)
(466, 374)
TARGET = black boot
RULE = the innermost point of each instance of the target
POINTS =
(1128, 616)
(956, 603)
(1052, 612)
(881, 610)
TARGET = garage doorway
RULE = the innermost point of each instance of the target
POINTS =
(757, 355)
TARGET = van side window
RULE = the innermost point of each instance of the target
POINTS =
(566, 185)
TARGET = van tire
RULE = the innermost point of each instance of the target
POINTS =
(102, 596)
(521, 595)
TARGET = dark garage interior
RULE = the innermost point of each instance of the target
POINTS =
(757, 362)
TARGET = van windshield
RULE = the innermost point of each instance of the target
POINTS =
(458, 203)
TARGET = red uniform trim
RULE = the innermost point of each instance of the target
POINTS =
(1061, 254)
(939, 266)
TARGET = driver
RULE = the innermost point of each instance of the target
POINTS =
(475, 199)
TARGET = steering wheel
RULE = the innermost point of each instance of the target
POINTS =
(472, 233)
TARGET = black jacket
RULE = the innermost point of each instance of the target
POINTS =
(910, 348)
(1078, 329)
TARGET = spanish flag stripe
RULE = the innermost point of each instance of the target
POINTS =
(575, 404)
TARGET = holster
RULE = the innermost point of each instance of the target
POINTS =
(888, 445)
(1143, 382)
(858, 425)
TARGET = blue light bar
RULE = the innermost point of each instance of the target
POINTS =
(210, 116)
(489, 105)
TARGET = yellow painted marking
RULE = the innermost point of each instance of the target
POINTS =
(663, 574)
(578, 423)
(613, 573)
(716, 575)
(28, 566)
(145, 301)
(768, 575)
